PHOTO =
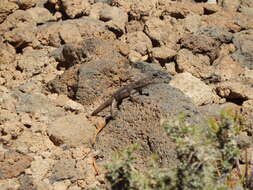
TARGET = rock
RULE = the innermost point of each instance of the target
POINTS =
(244, 51)
(217, 33)
(33, 62)
(26, 4)
(244, 21)
(192, 22)
(163, 54)
(227, 22)
(201, 44)
(39, 167)
(246, 11)
(75, 8)
(69, 33)
(235, 89)
(66, 169)
(226, 68)
(141, 8)
(6, 8)
(12, 164)
(68, 104)
(61, 185)
(51, 33)
(162, 101)
(247, 109)
(247, 3)
(26, 182)
(115, 19)
(181, 9)
(7, 53)
(40, 15)
(22, 36)
(214, 110)
(19, 18)
(135, 56)
(71, 130)
(162, 32)
(198, 65)
(137, 41)
(194, 88)
(38, 104)
(134, 26)
(231, 6)
(10, 184)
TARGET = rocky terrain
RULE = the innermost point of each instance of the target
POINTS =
(60, 59)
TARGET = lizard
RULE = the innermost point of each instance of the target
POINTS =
(124, 92)
(119, 95)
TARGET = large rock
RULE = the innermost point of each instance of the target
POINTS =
(194, 88)
(71, 130)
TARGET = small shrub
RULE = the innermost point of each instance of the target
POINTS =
(205, 155)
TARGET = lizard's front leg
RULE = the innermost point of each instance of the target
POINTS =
(112, 108)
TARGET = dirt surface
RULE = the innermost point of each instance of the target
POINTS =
(60, 60)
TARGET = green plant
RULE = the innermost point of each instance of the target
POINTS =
(205, 155)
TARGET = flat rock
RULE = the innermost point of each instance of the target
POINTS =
(71, 130)
(194, 88)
